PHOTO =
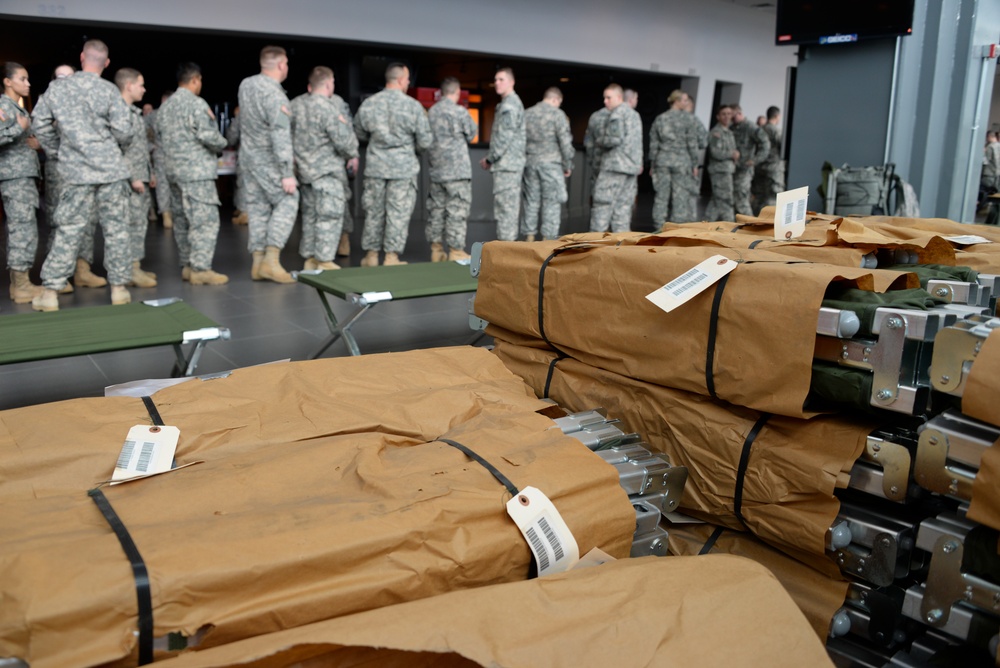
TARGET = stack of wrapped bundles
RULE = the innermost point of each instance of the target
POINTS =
(323, 489)
(744, 386)
(635, 612)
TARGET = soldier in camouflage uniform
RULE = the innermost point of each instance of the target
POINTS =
(673, 156)
(324, 142)
(352, 169)
(549, 162)
(18, 182)
(272, 196)
(753, 145)
(722, 159)
(595, 128)
(160, 167)
(450, 195)
(395, 127)
(88, 118)
(506, 156)
(621, 163)
(240, 216)
(132, 85)
(769, 176)
(191, 144)
(702, 133)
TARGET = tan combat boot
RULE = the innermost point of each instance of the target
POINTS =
(141, 279)
(271, 268)
(22, 290)
(48, 300)
(120, 295)
(185, 273)
(67, 289)
(258, 259)
(240, 218)
(457, 254)
(529, 237)
(208, 277)
(168, 220)
(310, 264)
(370, 259)
(437, 253)
(327, 266)
(85, 277)
(345, 244)
(391, 259)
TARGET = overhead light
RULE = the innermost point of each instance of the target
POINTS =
(563, 79)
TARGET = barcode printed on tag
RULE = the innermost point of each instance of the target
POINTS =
(685, 282)
(800, 210)
(126, 455)
(550, 535)
(539, 549)
(145, 456)
(788, 215)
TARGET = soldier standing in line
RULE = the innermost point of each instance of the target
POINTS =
(450, 195)
(191, 144)
(701, 132)
(549, 162)
(722, 159)
(233, 139)
(19, 182)
(162, 187)
(752, 143)
(272, 196)
(88, 118)
(352, 169)
(324, 142)
(769, 177)
(396, 127)
(506, 156)
(621, 163)
(673, 156)
(132, 86)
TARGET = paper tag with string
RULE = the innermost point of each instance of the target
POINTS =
(790, 214)
(692, 282)
(543, 528)
(148, 450)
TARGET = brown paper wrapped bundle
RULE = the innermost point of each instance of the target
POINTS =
(594, 308)
(787, 494)
(258, 539)
(635, 612)
(985, 505)
(818, 595)
(419, 394)
(984, 258)
(981, 398)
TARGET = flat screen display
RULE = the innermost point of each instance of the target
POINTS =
(841, 21)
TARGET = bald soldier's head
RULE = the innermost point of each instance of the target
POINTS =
(274, 63)
(397, 77)
(94, 57)
(553, 96)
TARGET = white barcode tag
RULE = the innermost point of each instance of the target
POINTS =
(790, 214)
(691, 282)
(546, 533)
(147, 451)
(967, 239)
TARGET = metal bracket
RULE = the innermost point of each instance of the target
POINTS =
(949, 452)
(476, 323)
(959, 292)
(880, 546)
(476, 261)
(883, 469)
(947, 584)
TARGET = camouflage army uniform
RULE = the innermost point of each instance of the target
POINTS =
(549, 155)
(395, 127)
(233, 141)
(88, 119)
(137, 159)
(191, 144)
(267, 157)
(673, 154)
(345, 111)
(18, 187)
(595, 128)
(769, 176)
(753, 145)
(621, 163)
(702, 133)
(323, 141)
(450, 195)
(159, 165)
(721, 166)
(506, 159)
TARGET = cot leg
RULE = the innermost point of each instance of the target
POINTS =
(185, 366)
(340, 331)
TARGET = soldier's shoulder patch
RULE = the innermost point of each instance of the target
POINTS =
(3, 115)
(717, 135)
(285, 110)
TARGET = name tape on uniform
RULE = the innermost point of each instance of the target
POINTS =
(790, 214)
(692, 282)
(543, 528)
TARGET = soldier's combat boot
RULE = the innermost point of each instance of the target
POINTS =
(85, 277)
(141, 279)
(258, 259)
(120, 295)
(327, 266)
(310, 264)
(66, 289)
(437, 253)
(22, 290)
(240, 218)
(185, 273)
(370, 259)
(345, 244)
(458, 254)
(529, 237)
(391, 259)
(168, 220)
(208, 277)
(48, 300)
(271, 268)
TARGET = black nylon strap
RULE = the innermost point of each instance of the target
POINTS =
(154, 414)
(713, 327)
(541, 299)
(744, 461)
(710, 543)
(504, 480)
(735, 229)
(548, 377)
(139, 572)
(754, 243)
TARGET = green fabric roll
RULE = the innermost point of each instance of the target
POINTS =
(936, 272)
(864, 303)
(840, 385)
